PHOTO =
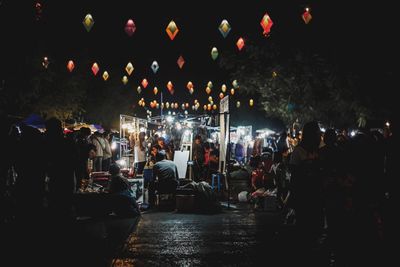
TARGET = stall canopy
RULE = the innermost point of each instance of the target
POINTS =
(35, 121)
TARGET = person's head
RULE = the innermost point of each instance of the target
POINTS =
(114, 169)
(197, 139)
(84, 132)
(311, 136)
(54, 127)
(154, 150)
(160, 155)
(330, 137)
(161, 141)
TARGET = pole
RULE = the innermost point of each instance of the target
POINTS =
(228, 158)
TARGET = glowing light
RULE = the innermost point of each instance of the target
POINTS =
(122, 163)
(180, 62)
(113, 145)
(214, 53)
(70, 66)
(45, 62)
(224, 28)
(155, 66)
(387, 124)
(145, 83)
(172, 30)
(95, 68)
(88, 22)
(306, 16)
(105, 76)
(129, 68)
(352, 133)
(170, 119)
(240, 43)
(125, 80)
(266, 23)
(130, 27)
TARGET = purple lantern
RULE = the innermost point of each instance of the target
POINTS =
(130, 27)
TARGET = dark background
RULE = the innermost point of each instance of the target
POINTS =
(357, 36)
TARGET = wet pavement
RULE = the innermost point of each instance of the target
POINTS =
(235, 237)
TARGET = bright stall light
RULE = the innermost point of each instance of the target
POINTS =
(114, 145)
(121, 163)
(170, 119)
(178, 126)
(352, 133)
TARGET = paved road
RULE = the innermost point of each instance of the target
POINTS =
(238, 237)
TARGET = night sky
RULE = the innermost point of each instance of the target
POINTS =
(357, 38)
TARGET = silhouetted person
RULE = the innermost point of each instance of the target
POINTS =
(30, 169)
(60, 168)
(306, 185)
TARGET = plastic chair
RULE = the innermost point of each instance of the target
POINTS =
(218, 176)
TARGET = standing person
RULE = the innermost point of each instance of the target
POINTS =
(82, 146)
(140, 153)
(98, 141)
(198, 158)
(239, 151)
(107, 153)
(306, 184)
(60, 167)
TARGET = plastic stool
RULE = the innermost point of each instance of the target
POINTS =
(218, 176)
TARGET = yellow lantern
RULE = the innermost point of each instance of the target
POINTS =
(208, 90)
(232, 91)
(214, 107)
(251, 102)
(221, 95)
(125, 80)
(209, 107)
(155, 90)
(205, 107)
(223, 88)
(238, 104)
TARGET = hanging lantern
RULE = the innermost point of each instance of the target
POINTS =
(167, 105)
(274, 74)
(238, 104)
(130, 27)
(144, 83)
(232, 91)
(129, 68)
(105, 76)
(180, 62)
(191, 91)
(172, 30)
(221, 95)
(209, 107)
(139, 89)
(152, 104)
(223, 88)
(124, 80)
(224, 28)
(210, 99)
(155, 90)
(193, 107)
(157, 106)
(88, 22)
(170, 86)
(266, 24)
(183, 106)
(45, 62)
(211, 102)
(235, 84)
(210, 84)
(208, 90)
(240, 43)
(186, 104)
(214, 107)
(196, 101)
(38, 9)
(306, 15)
(155, 66)
(70, 66)
(189, 85)
(251, 102)
(214, 53)
(176, 105)
(95, 68)
(205, 107)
